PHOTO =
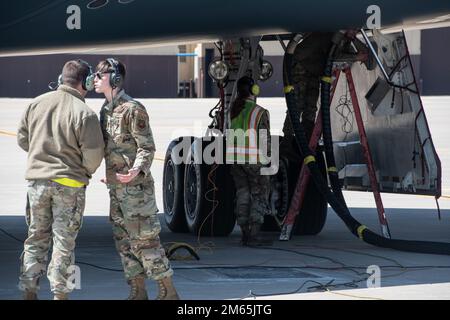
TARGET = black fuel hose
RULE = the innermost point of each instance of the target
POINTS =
(335, 199)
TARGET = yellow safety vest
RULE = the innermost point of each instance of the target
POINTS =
(242, 146)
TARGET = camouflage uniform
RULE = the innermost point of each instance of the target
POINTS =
(54, 211)
(63, 139)
(133, 212)
(252, 194)
(308, 65)
(252, 188)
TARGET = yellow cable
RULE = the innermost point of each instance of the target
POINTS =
(288, 89)
(309, 159)
(360, 231)
(352, 296)
(326, 79)
(209, 245)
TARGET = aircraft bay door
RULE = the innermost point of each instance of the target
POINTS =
(405, 159)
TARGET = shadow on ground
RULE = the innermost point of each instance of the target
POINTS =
(228, 271)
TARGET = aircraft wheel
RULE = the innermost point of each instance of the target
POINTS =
(313, 214)
(279, 198)
(207, 201)
(173, 184)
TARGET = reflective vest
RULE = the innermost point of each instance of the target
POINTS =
(242, 141)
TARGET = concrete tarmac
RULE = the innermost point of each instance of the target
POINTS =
(331, 265)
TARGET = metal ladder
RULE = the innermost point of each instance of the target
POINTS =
(304, 176)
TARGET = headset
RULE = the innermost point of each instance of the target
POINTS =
(115, 79)
(88, 82)
(253, 88)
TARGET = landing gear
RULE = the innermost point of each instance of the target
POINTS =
(279, 198)
(197, 197)
(208, 195)
(313, 213)
(312, 216)
(173, 185)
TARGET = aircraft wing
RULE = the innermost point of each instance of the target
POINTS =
(42, 26)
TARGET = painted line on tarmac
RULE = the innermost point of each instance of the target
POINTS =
(7, 133)
(157, 158)
(12, 134)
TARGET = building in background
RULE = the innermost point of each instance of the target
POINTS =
(181, 70)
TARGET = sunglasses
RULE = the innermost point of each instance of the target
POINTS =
(100, 74)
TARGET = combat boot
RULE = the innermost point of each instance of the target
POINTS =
(137, 289)
(256, 237)
(30, 295)
(245, 229)
(167, 290)
(60, 296)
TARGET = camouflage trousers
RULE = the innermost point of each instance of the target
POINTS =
(306, 88)
(54, 212)
(252, 194)
(136, 229)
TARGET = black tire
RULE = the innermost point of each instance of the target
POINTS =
(208, 195)
(313, 214)
(173, 186)
(279, 199)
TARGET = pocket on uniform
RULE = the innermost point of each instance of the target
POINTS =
(76, 221)
(133, 202)
(134, 191)
(150, 225)
(123, 138)
(116, 125)
(140, 214)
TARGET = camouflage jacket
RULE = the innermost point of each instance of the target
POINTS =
(128, 139)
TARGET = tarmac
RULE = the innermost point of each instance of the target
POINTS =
(331, 265)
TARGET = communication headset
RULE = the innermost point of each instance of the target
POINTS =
(251, 86)
(87, 82)
(255, 90)
(115, 79)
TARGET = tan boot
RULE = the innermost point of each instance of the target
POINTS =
(167, 290)
(137, 290)
(60, 296)
(29, 295)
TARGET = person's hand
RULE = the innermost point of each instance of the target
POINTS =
(125, 178)
(104, 180)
